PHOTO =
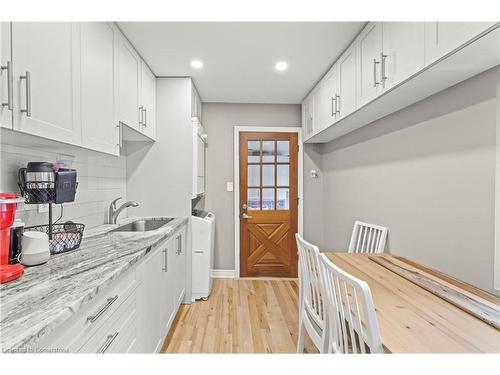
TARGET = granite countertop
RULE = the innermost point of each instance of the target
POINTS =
(47, 295)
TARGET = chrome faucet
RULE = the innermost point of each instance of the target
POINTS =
(113, 212)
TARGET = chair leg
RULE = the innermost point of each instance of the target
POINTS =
(300, 339)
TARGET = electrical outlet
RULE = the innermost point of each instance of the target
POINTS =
(43, 208)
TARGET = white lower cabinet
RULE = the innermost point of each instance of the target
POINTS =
(135, 313)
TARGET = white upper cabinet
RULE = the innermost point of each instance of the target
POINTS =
(46, 56)
(129, 70)
(369, 45)
(6, 77)
(327, 99)
(99, 87)
(195, 103)
(320, 108)
(403, 51)
(307, 117)
(345, 102)
(442, 38)
(148, 102)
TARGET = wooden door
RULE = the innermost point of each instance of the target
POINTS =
(46, 100)
(268, 197)
(404, 51)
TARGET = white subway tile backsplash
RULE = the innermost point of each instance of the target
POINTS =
(101, 178)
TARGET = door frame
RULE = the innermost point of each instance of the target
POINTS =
(236, 179)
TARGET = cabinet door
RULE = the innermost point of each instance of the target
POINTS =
(129, 69)
(200, 168)
(167, 289)
(329, 96)
(180, 268)
(319, 109)
(98, 87)
(442, 38)
(346, 70)
(403, 51)
(148, 99)
(369, 49)
(150, 295)
(6, 77)
(195, 103)
(46, 82)
(307, 117)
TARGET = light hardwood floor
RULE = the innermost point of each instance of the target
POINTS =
(241, 316)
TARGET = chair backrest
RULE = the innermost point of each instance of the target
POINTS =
(311, 296)
(367, 238)
(352, 321)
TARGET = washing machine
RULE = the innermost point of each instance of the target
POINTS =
(203, 242)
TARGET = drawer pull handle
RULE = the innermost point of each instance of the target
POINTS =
(108, 342)
(109, 302)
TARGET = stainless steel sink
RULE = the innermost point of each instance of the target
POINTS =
(143, 225)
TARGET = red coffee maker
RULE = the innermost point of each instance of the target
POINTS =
(8, 204)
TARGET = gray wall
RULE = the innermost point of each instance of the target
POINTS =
(219, 120)
(426, 172)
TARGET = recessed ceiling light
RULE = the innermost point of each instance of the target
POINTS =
(281, 66)
(197, 64)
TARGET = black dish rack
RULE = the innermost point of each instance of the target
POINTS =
(62, 237)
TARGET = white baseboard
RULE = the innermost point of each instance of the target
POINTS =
(223, 274)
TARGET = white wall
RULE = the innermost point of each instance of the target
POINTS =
(101, 178)
(428, 173)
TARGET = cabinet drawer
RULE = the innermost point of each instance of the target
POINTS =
(72, 334)
(118, 334)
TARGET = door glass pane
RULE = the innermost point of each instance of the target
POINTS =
(283, 199)
(268, 151)
(253, 151)
(283, 153)
(267, 174)
(268, 199)
(253, 199)
(283, 171)
(253, 175)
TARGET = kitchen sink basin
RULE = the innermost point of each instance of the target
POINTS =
(142, 225)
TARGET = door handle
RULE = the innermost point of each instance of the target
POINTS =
(10, 84)
(108, 342)
(27, 77)
(145, 122)
(332, 110)
(337, 104)
(245, 216)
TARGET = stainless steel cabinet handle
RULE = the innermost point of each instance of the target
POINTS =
(108, 342)
(109, 302)
(337, 104)
(179, 244)
(145, 122)
(383, 77)
(10, 85)
(375, 82)
(27, 77)
(140, 116)
(245, 216)
(165, 267)
(332, 110)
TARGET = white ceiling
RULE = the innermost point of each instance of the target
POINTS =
(239, 57)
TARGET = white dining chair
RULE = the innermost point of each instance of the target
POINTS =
(351, 317)
(367, 238)
(312, 306)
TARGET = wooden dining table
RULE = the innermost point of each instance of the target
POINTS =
(411, 318)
